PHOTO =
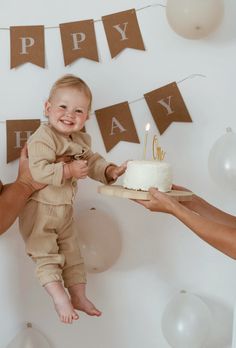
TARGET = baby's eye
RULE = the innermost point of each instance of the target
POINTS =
(79, 111)
(62, 106)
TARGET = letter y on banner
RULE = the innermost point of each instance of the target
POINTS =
(18, 132)
(27, 45)
(116, 124)
(122, 31)
(167, 105)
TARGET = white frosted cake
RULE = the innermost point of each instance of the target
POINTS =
(141, 175)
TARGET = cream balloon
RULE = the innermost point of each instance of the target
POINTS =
(186, 321)
(194, 19)
(222, 160)
(100, 239)
(29, 338)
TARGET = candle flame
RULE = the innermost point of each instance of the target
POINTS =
(147, 127)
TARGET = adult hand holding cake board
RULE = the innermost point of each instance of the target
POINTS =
(211, 224)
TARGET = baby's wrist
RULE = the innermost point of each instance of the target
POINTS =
(67, 171)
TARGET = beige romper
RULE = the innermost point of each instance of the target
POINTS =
(46, 223)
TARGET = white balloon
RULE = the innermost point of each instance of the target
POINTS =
(29, 338)
(222, 160)
(194, 19)
(100, 239)
(186, 321)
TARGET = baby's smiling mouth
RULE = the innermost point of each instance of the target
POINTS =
(66, 122)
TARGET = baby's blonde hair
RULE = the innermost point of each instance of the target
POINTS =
(72, 81)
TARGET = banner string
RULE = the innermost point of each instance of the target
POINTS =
(99, 20)
(136, 100)
(180, 81)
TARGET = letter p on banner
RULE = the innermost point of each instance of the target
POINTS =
(27, 45)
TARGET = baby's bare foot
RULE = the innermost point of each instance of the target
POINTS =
(81, 302)
(84, 305)
(62, 302)
(65, 310)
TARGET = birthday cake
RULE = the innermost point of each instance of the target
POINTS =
(141, 175)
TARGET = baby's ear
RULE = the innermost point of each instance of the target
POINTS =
(47, 107)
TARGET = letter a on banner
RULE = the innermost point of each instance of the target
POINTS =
(167, 105)
(116, 124)
(78, 40)
(122, 31)
(18, 132)
(27, 45)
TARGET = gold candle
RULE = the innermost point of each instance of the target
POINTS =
(145, 140)
(157, 152)
(154, 146)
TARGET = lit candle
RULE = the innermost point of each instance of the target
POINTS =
(145, 140)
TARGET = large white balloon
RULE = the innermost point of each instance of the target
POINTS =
(100, 239)
(29, 338)
(194, 19)
(222, 160)
(186, 321)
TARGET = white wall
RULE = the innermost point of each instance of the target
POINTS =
(159, 256)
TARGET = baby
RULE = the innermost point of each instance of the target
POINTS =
(47, 223)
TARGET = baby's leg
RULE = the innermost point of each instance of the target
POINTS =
(80, 301)
(62, 302)
(38, 225)
(73, 271)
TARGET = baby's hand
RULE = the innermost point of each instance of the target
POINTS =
(77, 169)
(113, 172)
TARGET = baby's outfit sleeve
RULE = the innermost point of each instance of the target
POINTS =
(42, 155)
(96, 163)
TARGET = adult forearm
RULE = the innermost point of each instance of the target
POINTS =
(205, 209)
(12, 200)
(220, 236)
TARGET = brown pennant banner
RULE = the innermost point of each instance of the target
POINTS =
(122, 31)
(27, 45)
(78, 40)
(18, 132)
(116, 124)
(167, 105)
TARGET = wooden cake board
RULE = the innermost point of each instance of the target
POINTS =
(120, 191)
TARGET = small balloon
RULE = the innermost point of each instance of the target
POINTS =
(186, 321)
(194, 19)
(100, 240)
(29, 338)
(222, 160)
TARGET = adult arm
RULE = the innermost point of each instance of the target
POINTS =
(203, 208)
(14, 196)
(209, 223)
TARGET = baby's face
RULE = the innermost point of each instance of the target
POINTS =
(67, 110)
